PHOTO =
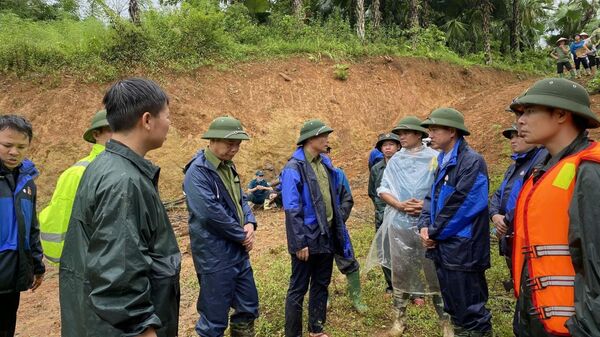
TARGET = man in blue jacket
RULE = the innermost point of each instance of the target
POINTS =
(454, 224)
(315, 227)
(21, 266)
(221, 227)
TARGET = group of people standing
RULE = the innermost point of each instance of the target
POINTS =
(583, 50)
(543, 215)
(120, 262)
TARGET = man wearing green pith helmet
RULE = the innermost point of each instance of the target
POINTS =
(222, 228)
(54, 219)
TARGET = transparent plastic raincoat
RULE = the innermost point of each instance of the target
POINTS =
(397, 245)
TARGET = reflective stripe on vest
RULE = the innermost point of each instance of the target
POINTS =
(81, 163)
(542, 233)
(53, 242)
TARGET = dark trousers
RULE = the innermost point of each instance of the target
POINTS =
(9, 304)
(346, 266)
(581, 60)
(234, 288)
(528, 326)
(316, 273)
(465, 295)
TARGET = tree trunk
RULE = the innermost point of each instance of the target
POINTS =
(376, 14)
(487, 9)
(425, 12)
(413, 12)
(589, 13)
(360, 19)
(297, 8)
(514, 27)
(134, 11)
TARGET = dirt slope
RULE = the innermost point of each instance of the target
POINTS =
(377, 94)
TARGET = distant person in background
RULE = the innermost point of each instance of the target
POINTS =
(258, 190)
(580, 51)
(562, 55)
(21, 266)
(54, 219)
(591, 55)
(375, 156)
(388, 144)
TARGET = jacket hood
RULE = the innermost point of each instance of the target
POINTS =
(299, 155)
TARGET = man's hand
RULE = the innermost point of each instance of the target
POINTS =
(249, 240)
(425, 240)
(150, 332)
(37, 281)
(411, 206)
(414, 207)
(501, 227)
(302, 254)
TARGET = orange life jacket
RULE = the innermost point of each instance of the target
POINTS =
(541, 239)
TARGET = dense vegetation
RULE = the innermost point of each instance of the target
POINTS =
(99, 40)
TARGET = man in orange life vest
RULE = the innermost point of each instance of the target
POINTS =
(556, 256)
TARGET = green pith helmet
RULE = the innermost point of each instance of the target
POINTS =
(447, 117)
(226, 128)
(411, 123)
(98, 121)
(559, 93)
(507, 133)
(384, 137)
(312, 128)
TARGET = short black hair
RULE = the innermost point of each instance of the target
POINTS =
(17, 123)
(127, 100)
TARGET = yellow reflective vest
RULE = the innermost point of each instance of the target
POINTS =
(54, 219)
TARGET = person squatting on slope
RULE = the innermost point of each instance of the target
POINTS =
(557, 217)
(222, 232)
(21, 266)
(315, 228)
(388, 144)
(454, 224)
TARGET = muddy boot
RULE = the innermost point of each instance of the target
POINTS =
(401, 300)
(242, 329)
(447, 329)
(398, 327)
(355, 292)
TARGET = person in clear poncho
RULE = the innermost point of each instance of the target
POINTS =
(397, 246)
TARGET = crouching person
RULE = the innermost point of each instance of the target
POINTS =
(221, 227)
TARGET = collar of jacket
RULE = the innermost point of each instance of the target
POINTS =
(299, 155)
(518, 157)
(145, 166)
(27, 167)
(201, 160)
(97, 149)
(458, 147)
